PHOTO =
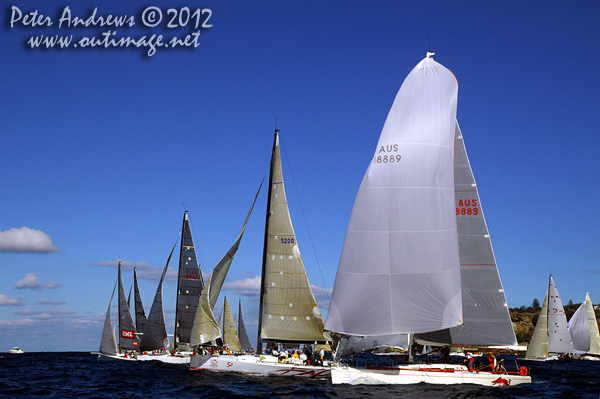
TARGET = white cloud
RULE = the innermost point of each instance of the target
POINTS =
(248, 287)
(33, 282)
(47, 314)
(26, 240)
(322, 296)
(16, 323)
(143, 270)
(50, 302)
(6, 301)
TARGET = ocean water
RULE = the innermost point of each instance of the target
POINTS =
(80, 375)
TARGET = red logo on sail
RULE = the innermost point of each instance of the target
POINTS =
(127, 334)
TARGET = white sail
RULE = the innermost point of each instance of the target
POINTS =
(230, 336)
(399, 271)
(538, 345)
(559, 337)
(584, 329)
(288, 309)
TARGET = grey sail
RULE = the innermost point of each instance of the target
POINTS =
(140, 314)
(351, 345)
(288, 311)
(155, 333)
(189, 287)
(242, 333)
(205, 328)
(399, 271)
(485, 311)
(559, 337)
(127, 338)
(107, 342)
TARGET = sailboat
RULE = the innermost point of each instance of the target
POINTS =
(409, 265)
(128, 342)
(551, 338)
(288, 313)
(584, 331)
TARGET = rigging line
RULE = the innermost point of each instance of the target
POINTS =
(306, 223)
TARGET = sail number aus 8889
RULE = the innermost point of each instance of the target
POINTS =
(387, 158)
(287, 240)
(467, 211)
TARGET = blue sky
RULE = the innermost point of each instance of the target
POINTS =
(102, 150)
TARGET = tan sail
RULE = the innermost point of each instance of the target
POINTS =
(230, 335)
(289, 311)
(594, 334)
(205, 327)
(538, 346)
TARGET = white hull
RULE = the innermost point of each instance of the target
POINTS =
(118, 356)
(15, 351)
(163, 357)
(166, 358)
(263, 365)
(432, 374)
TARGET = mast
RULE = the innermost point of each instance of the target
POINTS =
(264, 261)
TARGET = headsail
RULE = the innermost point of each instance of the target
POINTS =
(538, 345)
(107, 342)
(485, 311)
(140, 314)
(230, 336)
(155, 333)
(288, 309)
(189, 287)
(127, 338)
(242, 333)
(205, 327)
(399, 271)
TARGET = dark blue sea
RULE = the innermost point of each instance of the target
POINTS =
(80, 375)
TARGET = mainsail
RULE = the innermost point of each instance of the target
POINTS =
(399, 271)
(127, 338)
(107, 342)
(155, 333)
(485, 311)
(288, 309)
(205, 328)
(242, 333)
(140, 314)
(230, 336)
(189, 287)
(584, 329)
